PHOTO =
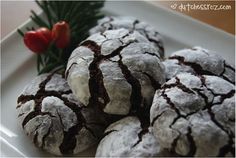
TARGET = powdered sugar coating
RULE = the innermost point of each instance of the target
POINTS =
(198, 61)
(126, 138)
(56, 121)
(115, 68)
(194, 116)
(131, 24)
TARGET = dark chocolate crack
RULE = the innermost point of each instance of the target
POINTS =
(109, 23)
(102, 34)
(96, 86)
(224, 96)
(230, 67)
(33, 114)
(60, 119)
(69, 139)
(136, 98)
(179, 85)
(91, 131)
(38, 98)
(117, 51)
(46, 135)
(126, 35)
(110, 27)
(156, 118)
(156, 42)
(192, 145)
(107, 133)
(183, 87)
(172, 105)
(68, 70)
(155, 84)
(196, 67)
(65, 92)
(208, 105)
(42, 85)
(98, 93)
(222, 73)
(152, 54)
(38, 102)
(21, 114)
(174, 144)
(35, 138)
(92, 46)
(227, 79)
(227, 66)
(37, 108)
(140, 136)
(23, 99)
(230, 146)
(135, 23)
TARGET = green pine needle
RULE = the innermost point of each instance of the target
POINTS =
(20, 32)
(80, 15)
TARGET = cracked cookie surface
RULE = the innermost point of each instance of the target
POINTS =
(199, 61)
(126, 138)
(54, 120)
(117, 70)
(194, 116)
(131, 23)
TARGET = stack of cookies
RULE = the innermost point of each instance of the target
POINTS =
(119, 92)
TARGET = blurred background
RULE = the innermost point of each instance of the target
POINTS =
(220, 14)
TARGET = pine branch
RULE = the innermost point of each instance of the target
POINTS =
(80, 15)
(20, 32)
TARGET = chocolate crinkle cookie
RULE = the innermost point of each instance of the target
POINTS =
(127, 138)
(56, 121)
(194, 115)
(130, 23)
(117, 70)
(198, 61)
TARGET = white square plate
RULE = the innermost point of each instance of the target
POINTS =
(18, 65)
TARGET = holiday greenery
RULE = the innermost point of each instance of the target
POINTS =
(79, 15)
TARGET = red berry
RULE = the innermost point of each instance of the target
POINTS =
(61, 34)
(46, 33)
(35, 41)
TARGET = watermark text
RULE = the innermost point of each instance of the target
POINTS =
(203, 7)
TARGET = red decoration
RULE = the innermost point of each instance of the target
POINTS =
(61, 34)
(39, 40)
